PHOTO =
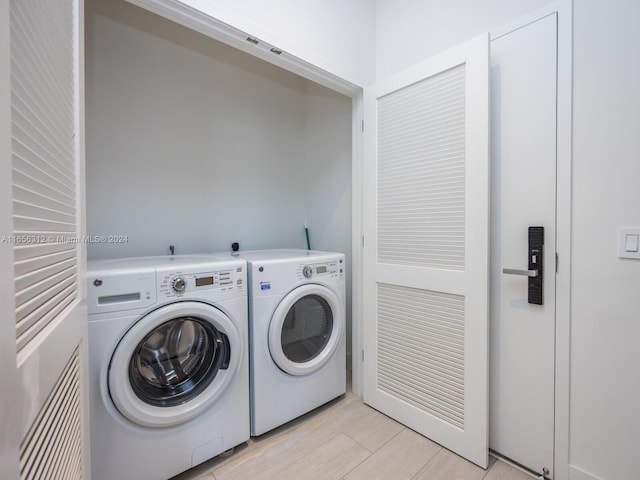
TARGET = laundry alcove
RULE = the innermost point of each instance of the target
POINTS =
(195, 144)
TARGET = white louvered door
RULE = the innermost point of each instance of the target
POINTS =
(426, 248)
(42, 244)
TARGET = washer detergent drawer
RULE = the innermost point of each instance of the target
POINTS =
(108, 292)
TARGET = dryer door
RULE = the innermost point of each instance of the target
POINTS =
(306, 329)
(174, 363)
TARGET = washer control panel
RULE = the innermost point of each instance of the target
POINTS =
(177, 283)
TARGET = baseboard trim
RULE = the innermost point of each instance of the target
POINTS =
(576, 473)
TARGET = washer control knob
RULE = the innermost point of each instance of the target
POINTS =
(307, 271)
(179, 284)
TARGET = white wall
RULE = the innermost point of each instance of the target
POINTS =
(195, 144)
(408, 31)
(335, 35)
(605, 325)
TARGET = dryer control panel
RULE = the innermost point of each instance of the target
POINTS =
(324, 269)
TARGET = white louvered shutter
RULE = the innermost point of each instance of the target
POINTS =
(44, 162)
(52, 448)
(426, 197)
(421, 173)
(47, 175)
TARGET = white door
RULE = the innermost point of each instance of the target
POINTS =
(426, 247)
(523, 81)
(44, 400)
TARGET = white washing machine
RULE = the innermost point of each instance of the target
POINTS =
(168, 358)
(297, 333)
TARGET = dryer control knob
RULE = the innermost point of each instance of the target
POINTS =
(179, 284)
(307, 271)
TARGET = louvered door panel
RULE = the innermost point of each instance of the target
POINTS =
(426, 198)
(421, 350)
(44, 161)
(421, 173)
(51, 450)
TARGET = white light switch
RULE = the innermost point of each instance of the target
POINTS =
(629, 242)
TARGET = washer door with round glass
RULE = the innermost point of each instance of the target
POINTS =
(174, 363)
(306, 329)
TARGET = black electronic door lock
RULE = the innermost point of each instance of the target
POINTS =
(535, 266)
(536, 257)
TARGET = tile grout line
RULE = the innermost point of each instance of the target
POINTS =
(363, 460)
(439, 452)
(370, 452)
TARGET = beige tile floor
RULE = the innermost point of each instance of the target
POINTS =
(348, 440)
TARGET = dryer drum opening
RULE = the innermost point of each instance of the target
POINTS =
(306, 329)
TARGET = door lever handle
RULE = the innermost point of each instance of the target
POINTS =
(535, 263)
(525, 273)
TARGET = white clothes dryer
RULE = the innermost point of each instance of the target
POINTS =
(297, 318)
(168, 359)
